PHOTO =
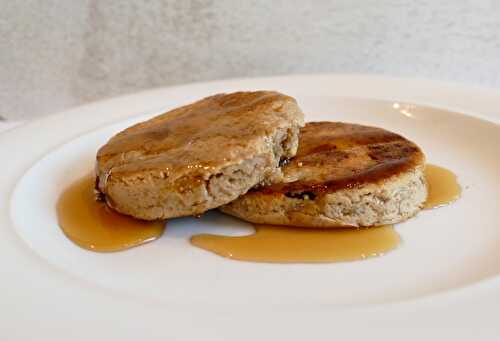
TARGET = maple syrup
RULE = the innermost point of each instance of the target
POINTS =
(442, 185)
(286, 244)
(94, 226)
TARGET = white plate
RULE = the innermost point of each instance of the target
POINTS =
(444, 275)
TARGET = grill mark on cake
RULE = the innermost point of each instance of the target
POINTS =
(355, 155)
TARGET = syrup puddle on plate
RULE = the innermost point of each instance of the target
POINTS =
(287, 244)
(94, 226)
(442, 185)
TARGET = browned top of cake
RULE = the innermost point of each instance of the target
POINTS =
(334, 155)
(201, 137)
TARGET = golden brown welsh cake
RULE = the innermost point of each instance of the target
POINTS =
(343, 175)
(199, 156)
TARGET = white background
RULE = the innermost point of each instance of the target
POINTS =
(57, 54)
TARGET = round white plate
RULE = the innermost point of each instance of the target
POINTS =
(444, 275)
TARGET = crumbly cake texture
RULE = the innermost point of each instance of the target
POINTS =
(343, 175)
(199, 156)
